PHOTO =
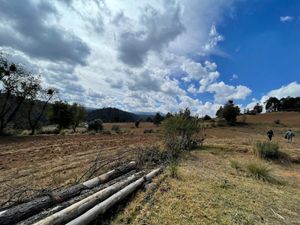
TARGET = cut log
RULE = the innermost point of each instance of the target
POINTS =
(84, 194)
(25, 210)
(102, 207)
(82, 206)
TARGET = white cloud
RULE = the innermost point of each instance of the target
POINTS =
(223, 92)
(234, 77)
(286, 19)
(291, 89)
(134, 54)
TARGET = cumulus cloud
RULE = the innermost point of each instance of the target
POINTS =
(291, 89)
(223, 92)
(138, 57)
(157, 30)
(286, 19)
(26, 26)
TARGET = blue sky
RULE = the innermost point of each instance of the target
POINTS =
(263, 51)
(159, 55)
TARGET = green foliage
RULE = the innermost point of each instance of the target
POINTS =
(16, 85)
(137, 124)
(179, 130)
(284, 104)
(95, 125)
(267, 150)
(259, 171)
(206, 117)
(229, 112)
(173, 168)
(78, 115)
(258, 108)
(157, 119)
(62, 114)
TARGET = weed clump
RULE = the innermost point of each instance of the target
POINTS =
(236, 165)
(259, 171)
(116, 129)
(267, 150)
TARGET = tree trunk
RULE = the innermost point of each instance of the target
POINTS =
(102, 207)
(82, 206)
(25, 210)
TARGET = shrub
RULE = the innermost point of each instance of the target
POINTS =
(259, 171)
(277, 121)
(151, 157)
(236, 165)
(137, 124)
(179, 131)
(267, 150)
(173, 167)
(148, 131)
(116, 129)
(95, 125)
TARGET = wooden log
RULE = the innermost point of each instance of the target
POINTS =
(84, 194)
(82, 206)
(102, 207)
(25, 210)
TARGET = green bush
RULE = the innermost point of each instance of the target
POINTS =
(95, 125)
(259, 171)
(179, 131)
(267, 150)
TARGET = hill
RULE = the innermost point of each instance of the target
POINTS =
(112, 115)
(287, 118)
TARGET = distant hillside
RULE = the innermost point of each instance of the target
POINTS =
(287, 118)
(112, 115)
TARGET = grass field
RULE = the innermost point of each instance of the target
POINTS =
(214, 185)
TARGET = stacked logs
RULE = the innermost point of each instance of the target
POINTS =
(81, 203)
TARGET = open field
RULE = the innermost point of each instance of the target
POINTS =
(209, 190)
(51, 161)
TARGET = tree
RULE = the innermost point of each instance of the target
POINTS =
(157, 119)
(168, 115)
(33, 115)
(16, 85)
(62, 114)
(95, 125)
(137, 124)
(206, 117)
(78, 115)
(258, 108)
(230, 112)
(219, 112)
(272, 104)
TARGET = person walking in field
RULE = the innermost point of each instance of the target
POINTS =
(270, 134)
(289, 136)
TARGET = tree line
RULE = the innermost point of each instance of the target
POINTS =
(25, 104)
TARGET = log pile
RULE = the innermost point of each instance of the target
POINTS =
(81, 203)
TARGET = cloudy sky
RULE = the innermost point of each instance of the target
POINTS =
(159, 55)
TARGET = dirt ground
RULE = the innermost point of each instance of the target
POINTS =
(35, 163)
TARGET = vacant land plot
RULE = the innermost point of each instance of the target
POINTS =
(29, 165)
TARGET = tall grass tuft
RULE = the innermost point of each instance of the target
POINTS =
(267, 150)
(259, 171)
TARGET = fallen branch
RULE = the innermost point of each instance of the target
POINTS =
(102, 207)
(25, 210)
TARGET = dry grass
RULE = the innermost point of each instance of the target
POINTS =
(210, 191)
